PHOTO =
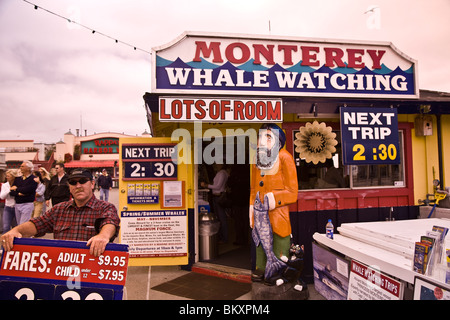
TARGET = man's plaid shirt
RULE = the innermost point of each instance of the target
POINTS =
(68, 222)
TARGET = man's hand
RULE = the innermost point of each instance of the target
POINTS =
(26, 230)
(97, 244)
(8, 239)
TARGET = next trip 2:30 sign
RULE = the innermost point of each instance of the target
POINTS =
(369, 136)
(149, 162)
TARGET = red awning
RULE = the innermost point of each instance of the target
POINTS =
(90, 164)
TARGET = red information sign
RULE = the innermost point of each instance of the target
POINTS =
(64, 263)
(52, 263)
(367, 283)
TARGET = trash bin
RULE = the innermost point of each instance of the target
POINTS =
(208, 233)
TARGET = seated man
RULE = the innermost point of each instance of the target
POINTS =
(84, 218)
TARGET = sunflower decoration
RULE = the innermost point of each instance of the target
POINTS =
(315, 142)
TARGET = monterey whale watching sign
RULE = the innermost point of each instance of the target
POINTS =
(242, 65)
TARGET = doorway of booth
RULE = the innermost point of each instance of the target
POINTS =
(235, 249)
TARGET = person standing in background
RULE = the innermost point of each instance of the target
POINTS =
(24, 191)
(9, 213)
(58, 188)
(104, 184)
(45, 177)
(217, 188)
(39, 202)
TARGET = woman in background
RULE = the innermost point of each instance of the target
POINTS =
(217, 188)
(45, 177)
(39, 202)
(9, 214)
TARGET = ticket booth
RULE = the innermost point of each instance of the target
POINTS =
(155, 194)
(212, 92)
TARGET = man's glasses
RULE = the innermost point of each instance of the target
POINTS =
(73, 182)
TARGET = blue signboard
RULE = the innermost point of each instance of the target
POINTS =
(149, 162)
(150, 170)
(223, 64)
(369, 136)
(294, 79)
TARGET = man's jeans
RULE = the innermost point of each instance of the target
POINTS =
(105, 193)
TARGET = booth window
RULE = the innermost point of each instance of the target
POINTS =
(389, 175)
(333, 174)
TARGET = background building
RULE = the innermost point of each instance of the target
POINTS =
(97, 152)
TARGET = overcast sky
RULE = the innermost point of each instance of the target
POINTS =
(56, 76)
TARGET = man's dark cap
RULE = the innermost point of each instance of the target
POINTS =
(80, 173)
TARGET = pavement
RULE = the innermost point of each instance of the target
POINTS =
(142, 279)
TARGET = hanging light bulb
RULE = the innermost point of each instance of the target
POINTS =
(82, 26)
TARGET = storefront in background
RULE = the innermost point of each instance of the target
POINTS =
(346, 106)
(97, 152)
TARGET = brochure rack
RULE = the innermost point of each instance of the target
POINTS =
(389, 246)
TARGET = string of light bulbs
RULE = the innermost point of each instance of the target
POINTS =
(93, 31)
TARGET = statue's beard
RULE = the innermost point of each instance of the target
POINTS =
(266, 158)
